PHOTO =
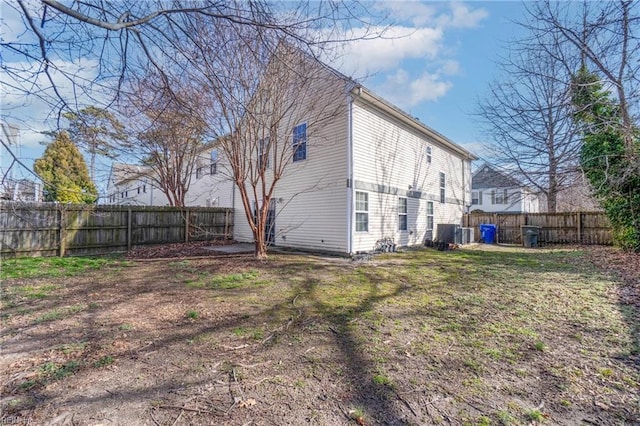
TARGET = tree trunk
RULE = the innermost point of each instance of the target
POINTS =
(260, 251)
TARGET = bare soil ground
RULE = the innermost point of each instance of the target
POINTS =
(484, 335)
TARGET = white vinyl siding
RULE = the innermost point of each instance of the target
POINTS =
(390, 161)
(312, 195)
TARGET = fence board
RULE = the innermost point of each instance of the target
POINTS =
(556, 228)
(49, 229)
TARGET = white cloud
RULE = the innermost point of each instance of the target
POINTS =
(451, 67)
(417, 13)
(406, 91)
(462, 16)
(412, 60)
(363, 57)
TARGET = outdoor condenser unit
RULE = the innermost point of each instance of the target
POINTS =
(464, 235)
(446, 233)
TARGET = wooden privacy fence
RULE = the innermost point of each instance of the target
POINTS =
(572, 227)
(51, 229)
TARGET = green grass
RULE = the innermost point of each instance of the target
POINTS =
(104, 361)
(235, 280)
(44, 267)
(381, 380)
(56, 371)
(535, 415)
(59, 313)
(35, 291)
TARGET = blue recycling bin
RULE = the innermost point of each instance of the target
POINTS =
(488, 233)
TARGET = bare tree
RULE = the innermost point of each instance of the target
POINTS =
(268, 102)
(527, 118)
(61, 43)
(227, 51)
(605, 35)
(169, 136)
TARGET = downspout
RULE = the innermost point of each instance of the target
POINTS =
(233, 207)
(464, 190)
(350, 195)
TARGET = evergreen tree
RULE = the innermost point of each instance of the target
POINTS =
(64, 173)
(610, 165)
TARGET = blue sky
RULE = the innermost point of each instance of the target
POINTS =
(438, 59)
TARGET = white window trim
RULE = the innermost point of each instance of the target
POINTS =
(430, 215)
(213, 166)
(306, 142)
(405, 214)
(356, 211)
(442, 188)
(429, 154)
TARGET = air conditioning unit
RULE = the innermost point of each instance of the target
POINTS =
(465, 235)
(446, 233)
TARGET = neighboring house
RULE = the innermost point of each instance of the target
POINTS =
(133, 185)
(130, 185)
(21, 190)
(495, 192)
(370, 172)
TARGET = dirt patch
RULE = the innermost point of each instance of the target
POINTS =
(626, 265)
(192, 249)
(425, 337)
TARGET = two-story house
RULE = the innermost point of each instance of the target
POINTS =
(369, 172)
(209, 187)
(364, 172)
(493, 191)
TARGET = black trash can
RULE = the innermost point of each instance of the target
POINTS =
(530, 236)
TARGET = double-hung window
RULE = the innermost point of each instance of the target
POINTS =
(362, 211)
(213, 168)
(476, 197)
(300, 142)
(263, 154)
(429, 215)
(499, 196)
(442, 187)
(402, 214)
(428, 154)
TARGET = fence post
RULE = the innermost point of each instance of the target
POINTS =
(186, 226)
(226, 224)
(62, 234)
(129, 236)
(579, 226)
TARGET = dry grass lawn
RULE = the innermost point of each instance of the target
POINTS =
(477, 336)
